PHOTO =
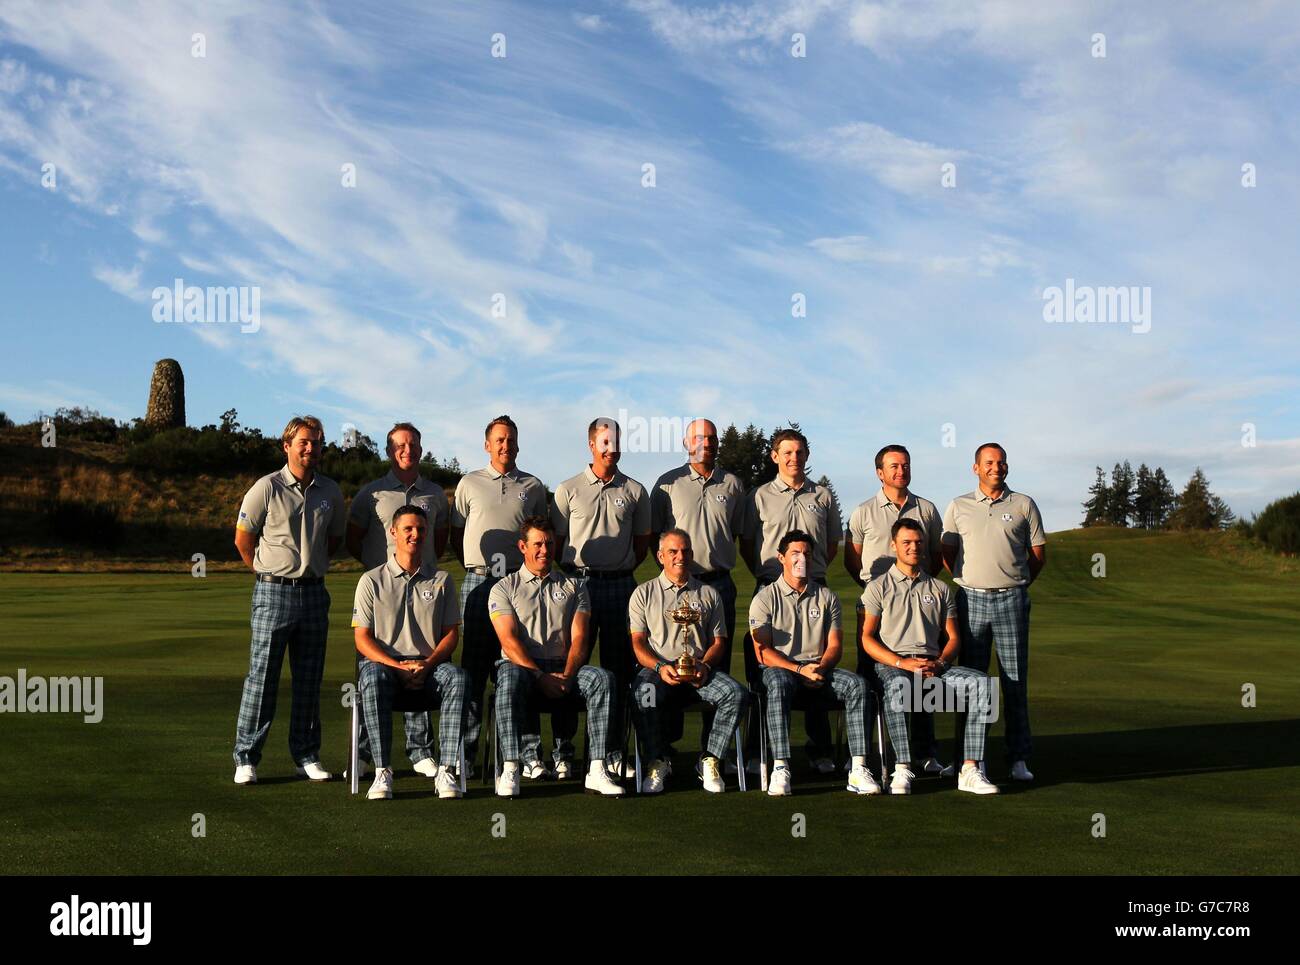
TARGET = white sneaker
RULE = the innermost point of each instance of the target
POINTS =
(654, 781)
(314, 772)
(508, 780)
(823, 765)
(973, 780)
(563, 769)
(1021, 772)
(447, 784)
(363, 768)
(536, 771)
(861, 781)
(902, 780)
(711, 775)
(425, 768)
(246, 774)
(599, 782)
(382, 789)
(779, 785)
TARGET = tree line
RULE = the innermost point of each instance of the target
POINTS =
(1146, 500)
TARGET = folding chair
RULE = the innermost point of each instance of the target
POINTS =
(697, 704)
(404, 701)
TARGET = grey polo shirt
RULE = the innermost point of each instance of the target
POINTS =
(490, 506)
(543, 608)
(373, 507)
(597, 520)
(800, 622)
(711, 509)
(774, 509)
(913, 612)
(406, 613)
(993, 537)
(871, 522)
(293, 524)
(652, 601)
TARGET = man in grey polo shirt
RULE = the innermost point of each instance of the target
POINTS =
(541, 617)
(405, 621)
(602, 525)
(290, 524)
(869, 551)
(795, 624)
(994, 544)
(658, 642)
(489, 506)
(708, 503)
(370, 516)
(791, 501)
(911, 629)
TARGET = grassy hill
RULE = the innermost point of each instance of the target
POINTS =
(1136, 699)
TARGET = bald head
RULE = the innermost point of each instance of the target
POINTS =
(702, 443)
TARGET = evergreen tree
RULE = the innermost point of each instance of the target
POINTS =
(835, 497)
(1143, 497)
(1196, 507)
(1094, 510)
(744, 453)
(1119, 505)
(1163, 499)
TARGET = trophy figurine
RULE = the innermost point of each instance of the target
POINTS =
(686, 615)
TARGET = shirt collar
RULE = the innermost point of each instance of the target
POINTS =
(713, 474)
(789, 590)
(396, 571)
(667, 584)
(593, 478)
(289, 479)
(981, 498)
(493, 474)
(778, 485)
(529, 576)
(900, 577)
(392, 482)
(882, 500)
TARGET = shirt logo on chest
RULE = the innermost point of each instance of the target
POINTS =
(720, 498)
(558, 595)
(522, 495)
(426, 595)
(815, 509)
(814, 613)
(325, 505)
(619, 501)
(928, 599)
(1006, 517)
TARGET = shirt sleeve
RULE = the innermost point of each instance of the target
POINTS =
(338, 518)
(460, 504)
(718, 619)
(641, 515)
(441, 511)
(560, 511)
(738, 511)
(833, 610)
(853, 531)
(636, 620)
(947, 604)
(950, 525)
(359, 512)
(582, 599)
(499, 604)
(450, 602)
(252, 511)
(934, 536)
(536, 503)
(363, 603)
(660, 505)
(1037, 536)
(760, 611)
(834, 525)
(749, 518)
(873, 599)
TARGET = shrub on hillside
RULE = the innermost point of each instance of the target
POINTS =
(1278, 526)
(187, 451)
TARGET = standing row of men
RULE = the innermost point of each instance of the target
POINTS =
(292, 521)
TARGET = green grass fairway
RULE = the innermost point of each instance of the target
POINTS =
(1136, 704)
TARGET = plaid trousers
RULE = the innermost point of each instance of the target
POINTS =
(1001, 619)
(970, 683)
(651, 697)
(481, 649)
(782, 685)
(293, 618)
(444, 685)
(922, 724)
(516, 687)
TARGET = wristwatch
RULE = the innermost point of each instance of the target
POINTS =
(660, 664)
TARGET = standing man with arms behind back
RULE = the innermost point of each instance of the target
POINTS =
(290, 524)
(994, 544)
(489, 507)
(869, 552)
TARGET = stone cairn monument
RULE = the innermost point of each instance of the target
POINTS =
(166, 396)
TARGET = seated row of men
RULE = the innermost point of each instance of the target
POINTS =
(406, 619)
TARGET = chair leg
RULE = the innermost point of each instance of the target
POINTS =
(354, 782)
(762, 742)
(880, 744)
(740, 760)
(460, 754)
(488, 738)
(636, 752)
(840, 739)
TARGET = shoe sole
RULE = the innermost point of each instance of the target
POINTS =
(779, 793)
(971, 790)
(379, 797)
(899, 790)
(316, 780)
(865, 791)
(246, 783)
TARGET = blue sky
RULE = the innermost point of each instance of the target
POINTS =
(522, 176)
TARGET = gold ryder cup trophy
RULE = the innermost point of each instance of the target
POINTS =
(686, 615)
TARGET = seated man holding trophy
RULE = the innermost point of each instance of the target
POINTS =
(679, 637)
(795, 624)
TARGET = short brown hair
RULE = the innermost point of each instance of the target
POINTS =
(501, 420)
(788, 435)
(989, 445)
(892, 447)
(302, 422)
(602, 423)
(542, 524)
(401, 427)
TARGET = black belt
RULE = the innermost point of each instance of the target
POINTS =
(582, 571)
(712, 576)
(1004, 589)
(290, 580)
(486, 570)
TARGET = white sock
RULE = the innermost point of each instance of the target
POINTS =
(509, 767)
(859, 760)
(779, 762)
(596, 767)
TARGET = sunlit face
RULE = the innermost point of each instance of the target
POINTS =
(674, 556)
(604, 450)
(702, 441)
(502, 446)
(795, 561)
(303, 450)
(404, 450)
(790, 457)
(895, 470)
(991, 467)
(538, 547)
(908, 545)
(408, 532)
